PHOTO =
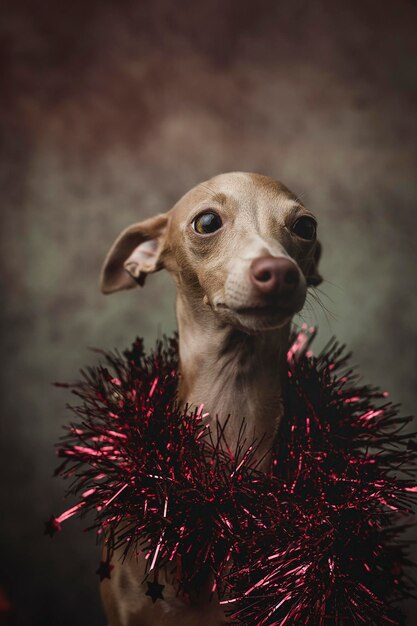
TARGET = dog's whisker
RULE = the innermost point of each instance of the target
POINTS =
(334, 285)
(328, 315)
(310, 311)
(316, 298)
(207, 188)
(323, 294)
(319, 301)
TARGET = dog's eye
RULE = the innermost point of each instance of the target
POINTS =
(207, 223)
(305, 227)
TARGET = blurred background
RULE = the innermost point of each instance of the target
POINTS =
(110, 112)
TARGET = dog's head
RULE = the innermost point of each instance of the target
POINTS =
(240, 243)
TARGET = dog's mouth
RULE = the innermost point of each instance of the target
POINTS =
(259, 310)
(259, 316)
(267, 310)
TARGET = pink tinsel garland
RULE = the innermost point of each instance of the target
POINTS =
(314, 542)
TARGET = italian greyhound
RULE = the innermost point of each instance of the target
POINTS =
(242, 250)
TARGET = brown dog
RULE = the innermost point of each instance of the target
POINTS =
(242, 250)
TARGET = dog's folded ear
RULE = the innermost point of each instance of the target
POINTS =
(134, 254)
(313, 277)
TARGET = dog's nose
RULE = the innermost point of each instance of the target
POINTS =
(274, 275)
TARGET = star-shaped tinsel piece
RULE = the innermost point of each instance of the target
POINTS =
(155, 591)
(104, 570)
(52, 526)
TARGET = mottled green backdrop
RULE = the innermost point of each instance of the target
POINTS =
(111, 111)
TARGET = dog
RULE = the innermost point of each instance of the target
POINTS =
(242, 250)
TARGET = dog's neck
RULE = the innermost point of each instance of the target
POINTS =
(231, 372)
